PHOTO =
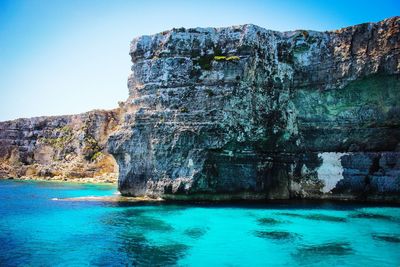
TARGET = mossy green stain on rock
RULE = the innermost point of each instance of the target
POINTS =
(59, 137)
(378, 91)
(355, 117)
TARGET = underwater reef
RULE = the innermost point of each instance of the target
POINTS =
(236, 113)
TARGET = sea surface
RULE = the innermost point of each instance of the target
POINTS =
(38, 231)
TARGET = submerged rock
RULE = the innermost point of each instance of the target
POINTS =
(141, 252)
(334, 248)
(195, 232)
(323, 217)
(268, 221)
(276, 235)
(387, 238)
(317, 217)
(366, 215)
(138, 221)
(296, 215)
(317, 253)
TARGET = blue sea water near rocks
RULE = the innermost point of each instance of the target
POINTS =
(38, 231)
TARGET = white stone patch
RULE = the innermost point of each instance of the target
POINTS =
(331, 170)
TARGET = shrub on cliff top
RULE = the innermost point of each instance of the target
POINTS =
(224, 58)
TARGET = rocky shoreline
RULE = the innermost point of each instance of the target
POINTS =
(97, 180)
(64, 148)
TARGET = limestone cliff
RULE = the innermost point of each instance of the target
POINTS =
(59, 148)
(235, 113)
(249, 113)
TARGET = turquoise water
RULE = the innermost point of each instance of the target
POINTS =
(38, 231)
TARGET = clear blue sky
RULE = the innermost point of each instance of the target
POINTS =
(66, 57)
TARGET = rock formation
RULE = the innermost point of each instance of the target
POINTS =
(248, 113)
(237, 113)
(59, 147)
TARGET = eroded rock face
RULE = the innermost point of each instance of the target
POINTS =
(244, 112)
(60, 147)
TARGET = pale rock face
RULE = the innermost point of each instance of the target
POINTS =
(59, 148)
(244, 112)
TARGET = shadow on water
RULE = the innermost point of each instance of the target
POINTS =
(318, 253)
(316, 217)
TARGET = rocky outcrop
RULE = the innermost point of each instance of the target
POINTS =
(59, 148)
(235, 113)
(248, 113)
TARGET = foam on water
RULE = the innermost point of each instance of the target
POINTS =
(34, 230)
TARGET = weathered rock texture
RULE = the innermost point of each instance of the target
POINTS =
(59, 148)
(244, 112)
